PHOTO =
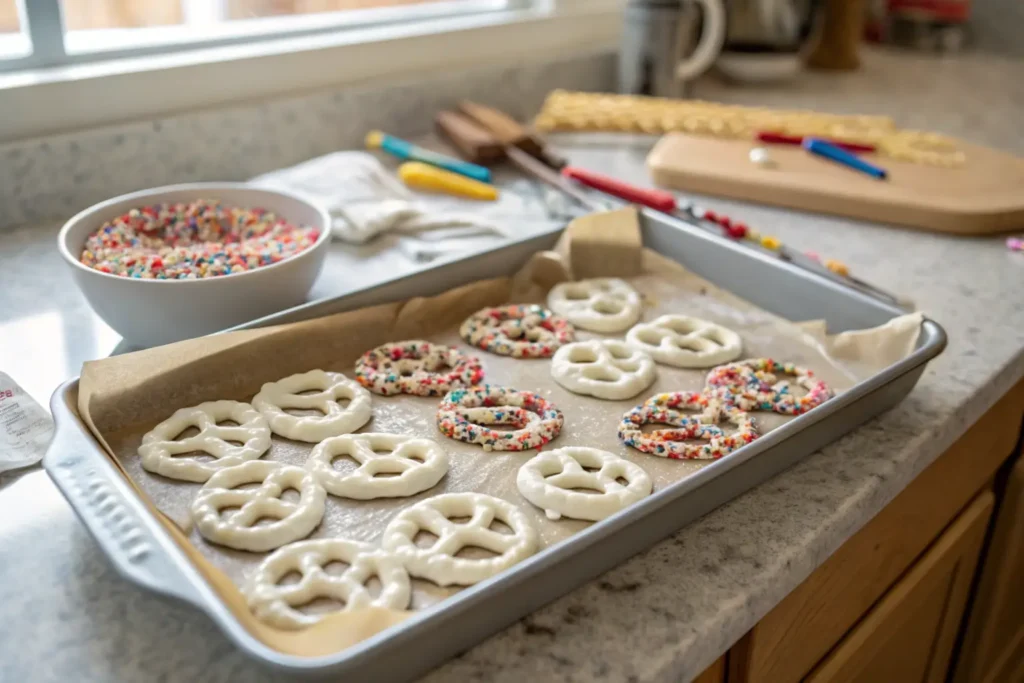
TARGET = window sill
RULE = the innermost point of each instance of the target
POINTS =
(56, 100)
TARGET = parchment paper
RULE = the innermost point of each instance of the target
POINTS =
(123, 397)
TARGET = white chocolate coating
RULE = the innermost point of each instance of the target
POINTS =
(276, 397)
(275, 603)
(685, 342)
(239, 529)
(160, 447)
(419, 464)
(599, 304)
(548, 480)
(608, 369)
(438, 562)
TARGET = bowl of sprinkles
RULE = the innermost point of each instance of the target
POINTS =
(178, 262)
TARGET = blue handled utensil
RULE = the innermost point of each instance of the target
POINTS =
(405, 150)
(841, 156)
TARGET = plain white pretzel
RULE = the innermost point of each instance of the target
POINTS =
(239, 528)
(276, 397)
(419, 464)
(548, 480)
(608, 369)
(160, 447)
(438, 563)
(685, 342)
(275, 603)
(601, 304)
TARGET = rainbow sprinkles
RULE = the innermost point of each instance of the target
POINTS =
(674, 443)
(417, 367)
(753, 385)
(464, 412)
(187, 241)
(519, 330)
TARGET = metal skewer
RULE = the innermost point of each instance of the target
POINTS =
(666, 202)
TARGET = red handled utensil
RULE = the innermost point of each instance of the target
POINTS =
(783, 139)
(656, 199)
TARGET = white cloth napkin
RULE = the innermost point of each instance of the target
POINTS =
(365, 199)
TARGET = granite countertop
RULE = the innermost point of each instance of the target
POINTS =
(665, 614)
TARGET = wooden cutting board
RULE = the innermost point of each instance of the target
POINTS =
(984, 195)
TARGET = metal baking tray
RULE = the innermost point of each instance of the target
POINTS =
(142, 551)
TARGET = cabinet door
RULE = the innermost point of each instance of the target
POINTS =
(908, 636)
(714, 673)
(812, 620)
(993, 648)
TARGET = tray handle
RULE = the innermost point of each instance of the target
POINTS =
(110, 509)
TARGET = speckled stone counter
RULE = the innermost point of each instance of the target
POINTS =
(665, 614)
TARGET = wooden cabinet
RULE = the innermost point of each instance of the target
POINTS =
(908, 636)
(908, 573)
(714, 673)
(791, 639)
(993, 646)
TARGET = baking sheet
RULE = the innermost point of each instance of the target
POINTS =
(122, 397)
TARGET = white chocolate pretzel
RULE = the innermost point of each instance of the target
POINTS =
(693, 437)
(161, 452)
(754, 384)
(276, 397)
(275, 603)
(438, 562)
(417, 367)
(239, 529)
(608, 369)
(685, 342)
(419, 464)
(601, 304)
(517, 330)
(464, 414)
(548, 480)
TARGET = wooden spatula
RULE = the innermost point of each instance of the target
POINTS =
(510, 132)
(473, 141)
(476, 143)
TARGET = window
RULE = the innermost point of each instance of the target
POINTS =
(13, 43)
(152, 58)
(39, 33)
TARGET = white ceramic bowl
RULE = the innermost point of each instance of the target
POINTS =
(153, 312)
(741, 67)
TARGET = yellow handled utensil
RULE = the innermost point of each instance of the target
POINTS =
(420, 176)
